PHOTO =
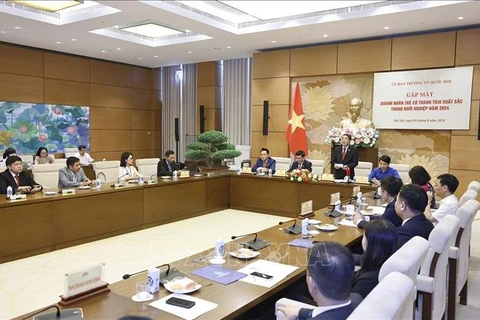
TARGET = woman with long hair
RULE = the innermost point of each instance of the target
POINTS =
(42, 157)
(418, 175)
(379, 243)
(127, 171)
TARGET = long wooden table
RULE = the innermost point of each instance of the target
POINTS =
(45, 223)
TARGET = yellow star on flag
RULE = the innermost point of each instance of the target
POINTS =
(296, 121)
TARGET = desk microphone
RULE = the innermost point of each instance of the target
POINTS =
(118, 179)
(294, 229)
(165, 276)
(255, 244)
(103, 174)
(71, 314)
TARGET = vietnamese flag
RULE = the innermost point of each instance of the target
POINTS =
(296, 134)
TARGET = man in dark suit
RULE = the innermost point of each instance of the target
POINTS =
(390, 187)
(300, 162)
(329, 280)
(16, 178)
(410, 205)
(345, 158)
(167, 165)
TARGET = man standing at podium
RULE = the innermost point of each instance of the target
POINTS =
(345, 159)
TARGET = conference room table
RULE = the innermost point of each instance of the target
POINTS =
(44, 223)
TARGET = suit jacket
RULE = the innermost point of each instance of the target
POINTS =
(363, 285)
(162, 168)
(390, 214)
(6, 180)
(307, 165)
(334, 314)
(351, 160)
(271, 164)
(416, 226)
(66, 178)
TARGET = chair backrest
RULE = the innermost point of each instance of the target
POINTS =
(283, 163)
(47, 174)
(436, 260)
(392, 298)
(466, 213)
(147, 167)
(106, 170)
(363, 169)
(403, 170)
(318, 166)
(70, 152)
(470, 194)
(407, 260)
(245, 150)
(60, 161)
(474, 185)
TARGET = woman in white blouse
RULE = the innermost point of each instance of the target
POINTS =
(127, 171)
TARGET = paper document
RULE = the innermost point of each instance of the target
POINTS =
(338, 165)
(201, 306)
(376, 210)
(348, 223)
(272, 272)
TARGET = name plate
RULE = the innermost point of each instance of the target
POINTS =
(184, 174)
(334, 197)
(84, 280)
(280, 173)
(306, 207)
(14, 197)
(68, 191)
(355, 191)
(118, 185)
(246, 170)
(327, 177)
(363, 180)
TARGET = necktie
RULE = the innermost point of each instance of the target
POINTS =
(344, 152)
(265, 163)
(17, 180)
(169, 167)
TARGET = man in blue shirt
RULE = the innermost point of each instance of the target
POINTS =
(264, 163)
(382, 171)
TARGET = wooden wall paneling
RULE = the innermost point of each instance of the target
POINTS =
(107, 155)
(21, 88)
(464, 152)
(142, 78)
(277, 121)
(29, 228)
(22, 61)
(364, 56)
(143, 99)
(66, 67)
(157, 81)
(275, 90)
(110, 73)
(111, 118)
(476, 83)
(218, 194)
(465, 177)
(208, 74)
(275, 142)
(110, 140)
(313, 61)
(141, 154)
(207, 96)
(67, 92)
(473, 122)
(110, 96)
(468, 47)
(271, 64)
(143, 120)
(143, 140)
(424, 51)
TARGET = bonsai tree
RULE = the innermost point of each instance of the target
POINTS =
(211, 147)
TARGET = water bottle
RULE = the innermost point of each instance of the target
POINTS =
(153, 279)
(305, 228)
(98, 184)
(174, 175)
(9, 192)
(239, 171)
(359, 199)
(140, 180)
(219, 248)
(270, 172)
(29, 165)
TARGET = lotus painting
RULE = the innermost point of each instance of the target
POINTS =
(28, 126)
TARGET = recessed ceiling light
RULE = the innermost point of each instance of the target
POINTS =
(386, 28)
(51, 6)
(273, 41)
(189, 51)
(152, 30)
(460, 18)
(104, 51)
(156, 56)
(3, 31)
(140, 58)
(18, 28)
(325, 35)
(58, 42)
(119, 49)
(73, 39)
(229, 47)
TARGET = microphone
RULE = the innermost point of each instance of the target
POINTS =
(118, 179)
(255, 244)
(294, 229)
(126, 276)
(165, 276)
(57, 314)
(103, 174)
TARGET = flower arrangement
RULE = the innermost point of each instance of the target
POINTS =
(363, 137)
(303, 175)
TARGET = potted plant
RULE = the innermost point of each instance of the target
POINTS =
(212, 148)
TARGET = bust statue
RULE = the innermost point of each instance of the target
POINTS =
(355, 121)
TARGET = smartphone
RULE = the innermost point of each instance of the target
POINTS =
(180, 302)
(261, 275)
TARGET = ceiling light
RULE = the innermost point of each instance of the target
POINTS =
(189, 51)
(3, 31)
(58, 42)
(273, 41)
(156, 56)
(325, 35)
(119, 49)
(18, 28)
(460, 18)
(50, 6)
(386, 28)
(229, 47)
(152, 30)
(73, 39)
(140, 58)
(104, 51)
(264, 10)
